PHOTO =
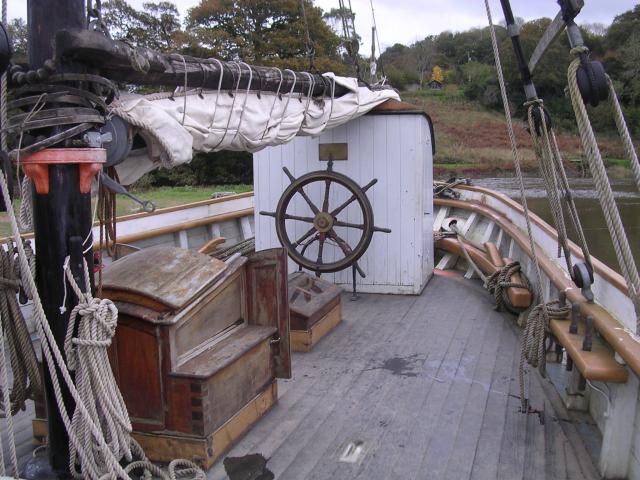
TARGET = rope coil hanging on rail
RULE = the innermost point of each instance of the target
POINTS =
(499, 283)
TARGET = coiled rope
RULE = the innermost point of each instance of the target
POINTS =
(500, 281)
(533, 349)
(92, 325)
(4, 373)
(22, 356)
(603, 187)
(95, 321)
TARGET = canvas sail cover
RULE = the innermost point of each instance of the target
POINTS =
(176, 126)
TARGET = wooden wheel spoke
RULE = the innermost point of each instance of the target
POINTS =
(335, 212)
(344, 246)
(312, 206)
(308, 244)
(325, 204)
(322, 239)
(298, 218)
(299, 241)
(338, 223)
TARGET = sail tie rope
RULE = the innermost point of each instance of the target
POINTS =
(541, 310)
(603, 187)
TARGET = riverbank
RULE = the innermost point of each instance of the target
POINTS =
(472, 141)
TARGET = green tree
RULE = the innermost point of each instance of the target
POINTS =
(266, 33)
(156, 26)
(424, 55)
(623, 27)
(17, 30)
(630, 52)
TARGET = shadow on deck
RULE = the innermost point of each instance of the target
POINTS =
(413, 388)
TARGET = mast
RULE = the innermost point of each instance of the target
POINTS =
(61, 211)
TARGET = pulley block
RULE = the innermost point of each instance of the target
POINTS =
(592, 81)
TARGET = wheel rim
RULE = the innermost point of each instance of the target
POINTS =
(324, 222)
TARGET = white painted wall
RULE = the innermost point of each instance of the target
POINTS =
(394, 148)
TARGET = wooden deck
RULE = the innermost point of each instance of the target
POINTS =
(427, 386)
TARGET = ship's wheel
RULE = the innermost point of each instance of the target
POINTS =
(320, 226)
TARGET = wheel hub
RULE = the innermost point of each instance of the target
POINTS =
(323, 222)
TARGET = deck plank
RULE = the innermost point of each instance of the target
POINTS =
(448, 407)
(411, 463)
(460, 462)
(370, 419)
(344, 409)
(441, 445)
(408, 400)
(512, 448)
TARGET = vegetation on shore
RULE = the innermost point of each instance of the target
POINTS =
(469, 123)
(472, 140)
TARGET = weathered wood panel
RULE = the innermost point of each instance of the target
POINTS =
(268, 302)
(138, 379)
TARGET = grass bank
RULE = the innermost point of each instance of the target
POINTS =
(472, 140)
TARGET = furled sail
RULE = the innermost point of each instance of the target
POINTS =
(176, 125)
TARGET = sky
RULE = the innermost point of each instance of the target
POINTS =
(407, 21)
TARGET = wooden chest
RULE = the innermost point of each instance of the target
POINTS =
(315, 310)
(198, 347)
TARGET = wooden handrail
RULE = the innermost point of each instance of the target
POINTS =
(610, 328)
(178, 227)
(606, 272)
(160, 211)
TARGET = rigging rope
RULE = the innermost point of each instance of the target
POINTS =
(97, 431)
(377, 40)
(95, 322)
(310, 51)
(350, 36)
(555, 179)
(97, 459)
(4, 381)
(542, 311)
(603, 187)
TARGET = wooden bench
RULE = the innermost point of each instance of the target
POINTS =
(598, 364)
